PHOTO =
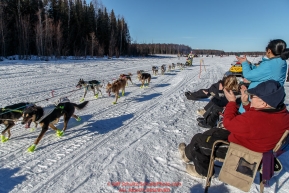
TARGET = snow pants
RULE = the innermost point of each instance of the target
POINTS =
(212, 114)
(200, 148)
(196, 95)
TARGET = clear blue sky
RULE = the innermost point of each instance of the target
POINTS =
(229, 25)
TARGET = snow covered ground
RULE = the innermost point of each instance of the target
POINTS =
(114, 147)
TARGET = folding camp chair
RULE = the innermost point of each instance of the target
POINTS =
(278, 149)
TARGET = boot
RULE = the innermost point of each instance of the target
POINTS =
(204, 124)
(201, 112)
(192, 171)
(200, 119)
(78, 119)
(4, 139)
(59, 133)
(182, 152)
(31, 148)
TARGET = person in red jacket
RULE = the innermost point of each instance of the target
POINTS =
(259, 128)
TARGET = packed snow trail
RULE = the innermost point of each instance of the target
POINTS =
(135, 140)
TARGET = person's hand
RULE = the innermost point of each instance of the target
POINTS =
(244, 96)
(230, 95)
(242, 59)
(245, 80)
(205, 92)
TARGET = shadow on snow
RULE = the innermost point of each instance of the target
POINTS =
(147, 97)
(162, 85)
(107, 125)
(214, 188)
(9, 180)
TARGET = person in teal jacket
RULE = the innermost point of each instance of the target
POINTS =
(274, 67)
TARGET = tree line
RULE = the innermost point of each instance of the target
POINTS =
(221, 52)
(151, 49)
(180, 49)
(60, 28)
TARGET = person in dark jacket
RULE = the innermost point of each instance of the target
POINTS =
(218, 102)
(259, 128)
(204, 93)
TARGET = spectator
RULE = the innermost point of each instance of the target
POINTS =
(273, 67)
(258, 129)
(213, 109)
(206, 93)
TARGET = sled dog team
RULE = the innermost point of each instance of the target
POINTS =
(155, 69)
(49, 116)
(43, 116)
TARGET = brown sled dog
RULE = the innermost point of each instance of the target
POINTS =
(115, 87)
(37, 114)
(138, 73)
(127, 77)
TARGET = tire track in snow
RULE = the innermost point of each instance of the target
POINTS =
(18, 129)
(51, 139)
(101, 142)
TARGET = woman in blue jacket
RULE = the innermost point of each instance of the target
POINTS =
(274, 67)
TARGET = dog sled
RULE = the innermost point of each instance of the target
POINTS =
(188, 62)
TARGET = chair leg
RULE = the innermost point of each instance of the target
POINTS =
(212, 164)
(261, 184)
(210, 172)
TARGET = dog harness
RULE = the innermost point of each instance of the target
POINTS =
(91, 84)
(46, 111)
(62, 100)
(12, 110)
(89, 87)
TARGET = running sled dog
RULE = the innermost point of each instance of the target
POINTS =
(145, 77)
(48, 116)
(138, 73)
(9, 115)
(115, 87)
(126, 77)
(163, 69)
(92, 85)
(155, 70)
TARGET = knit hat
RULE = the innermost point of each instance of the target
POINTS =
(270, 92)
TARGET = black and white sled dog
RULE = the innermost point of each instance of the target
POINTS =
(92, 85)
(48, 116)
(9, 115)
